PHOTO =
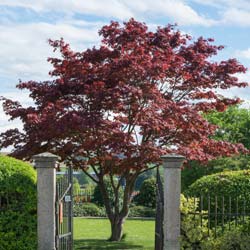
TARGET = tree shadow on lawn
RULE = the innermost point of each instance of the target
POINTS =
(95, 244)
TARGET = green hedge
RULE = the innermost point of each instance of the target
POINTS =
(18, 205)
(234, 185)
(141, 211)
(88, 209)
(92, 210)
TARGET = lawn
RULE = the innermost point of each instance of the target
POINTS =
(92, 234)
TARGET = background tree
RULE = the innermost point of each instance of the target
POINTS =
(142, 177)
(118, 107)
(147, 195)
(233, 126)
(82, 178)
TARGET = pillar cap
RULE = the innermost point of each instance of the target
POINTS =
(173, 158)
(45, 157)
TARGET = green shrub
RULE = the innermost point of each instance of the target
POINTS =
(18, 205)
(141, 211)
(235, 238)
(193, 232)
(97, 195)
(234, 184)
(88, 209)
(147, 194)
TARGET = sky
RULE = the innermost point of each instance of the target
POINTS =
(26, 26)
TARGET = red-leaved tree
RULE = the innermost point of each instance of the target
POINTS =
(115, 109)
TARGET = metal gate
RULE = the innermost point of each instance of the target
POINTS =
(64, 210)
(159, 213)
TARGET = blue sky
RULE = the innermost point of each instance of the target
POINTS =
(26, 25)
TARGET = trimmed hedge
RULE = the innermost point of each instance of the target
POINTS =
(92, 210)
(18, 205)
(234, 185)
(88, 209)
(141, 211)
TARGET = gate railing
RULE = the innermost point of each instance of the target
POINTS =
(220, 212)
(64, 211)
(159, 213)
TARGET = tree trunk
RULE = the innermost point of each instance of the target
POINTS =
(116, 215)
(116, 229)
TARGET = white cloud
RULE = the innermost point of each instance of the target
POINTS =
(107, 8)
(224, 4)
(242, 93)
(24, 47)
(243, 53)
(23, 98)
(179, 11)
(236, 16)
(231, 12)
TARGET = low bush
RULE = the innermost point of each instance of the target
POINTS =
(141, 211)
(237, 238)
(92, 210)
(88, 209)
(18, 205)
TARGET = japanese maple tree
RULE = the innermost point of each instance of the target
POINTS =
(117, 108)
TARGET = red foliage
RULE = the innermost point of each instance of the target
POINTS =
(124, 104)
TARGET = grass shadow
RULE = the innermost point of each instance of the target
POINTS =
(95, 244)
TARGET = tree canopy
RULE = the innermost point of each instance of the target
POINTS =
(137, 96)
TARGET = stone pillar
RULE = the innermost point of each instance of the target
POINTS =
(172, 190)
(45, 164)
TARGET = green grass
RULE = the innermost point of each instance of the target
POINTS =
(92, 234)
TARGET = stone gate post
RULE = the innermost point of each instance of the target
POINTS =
(45, 164)
(172, 190)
